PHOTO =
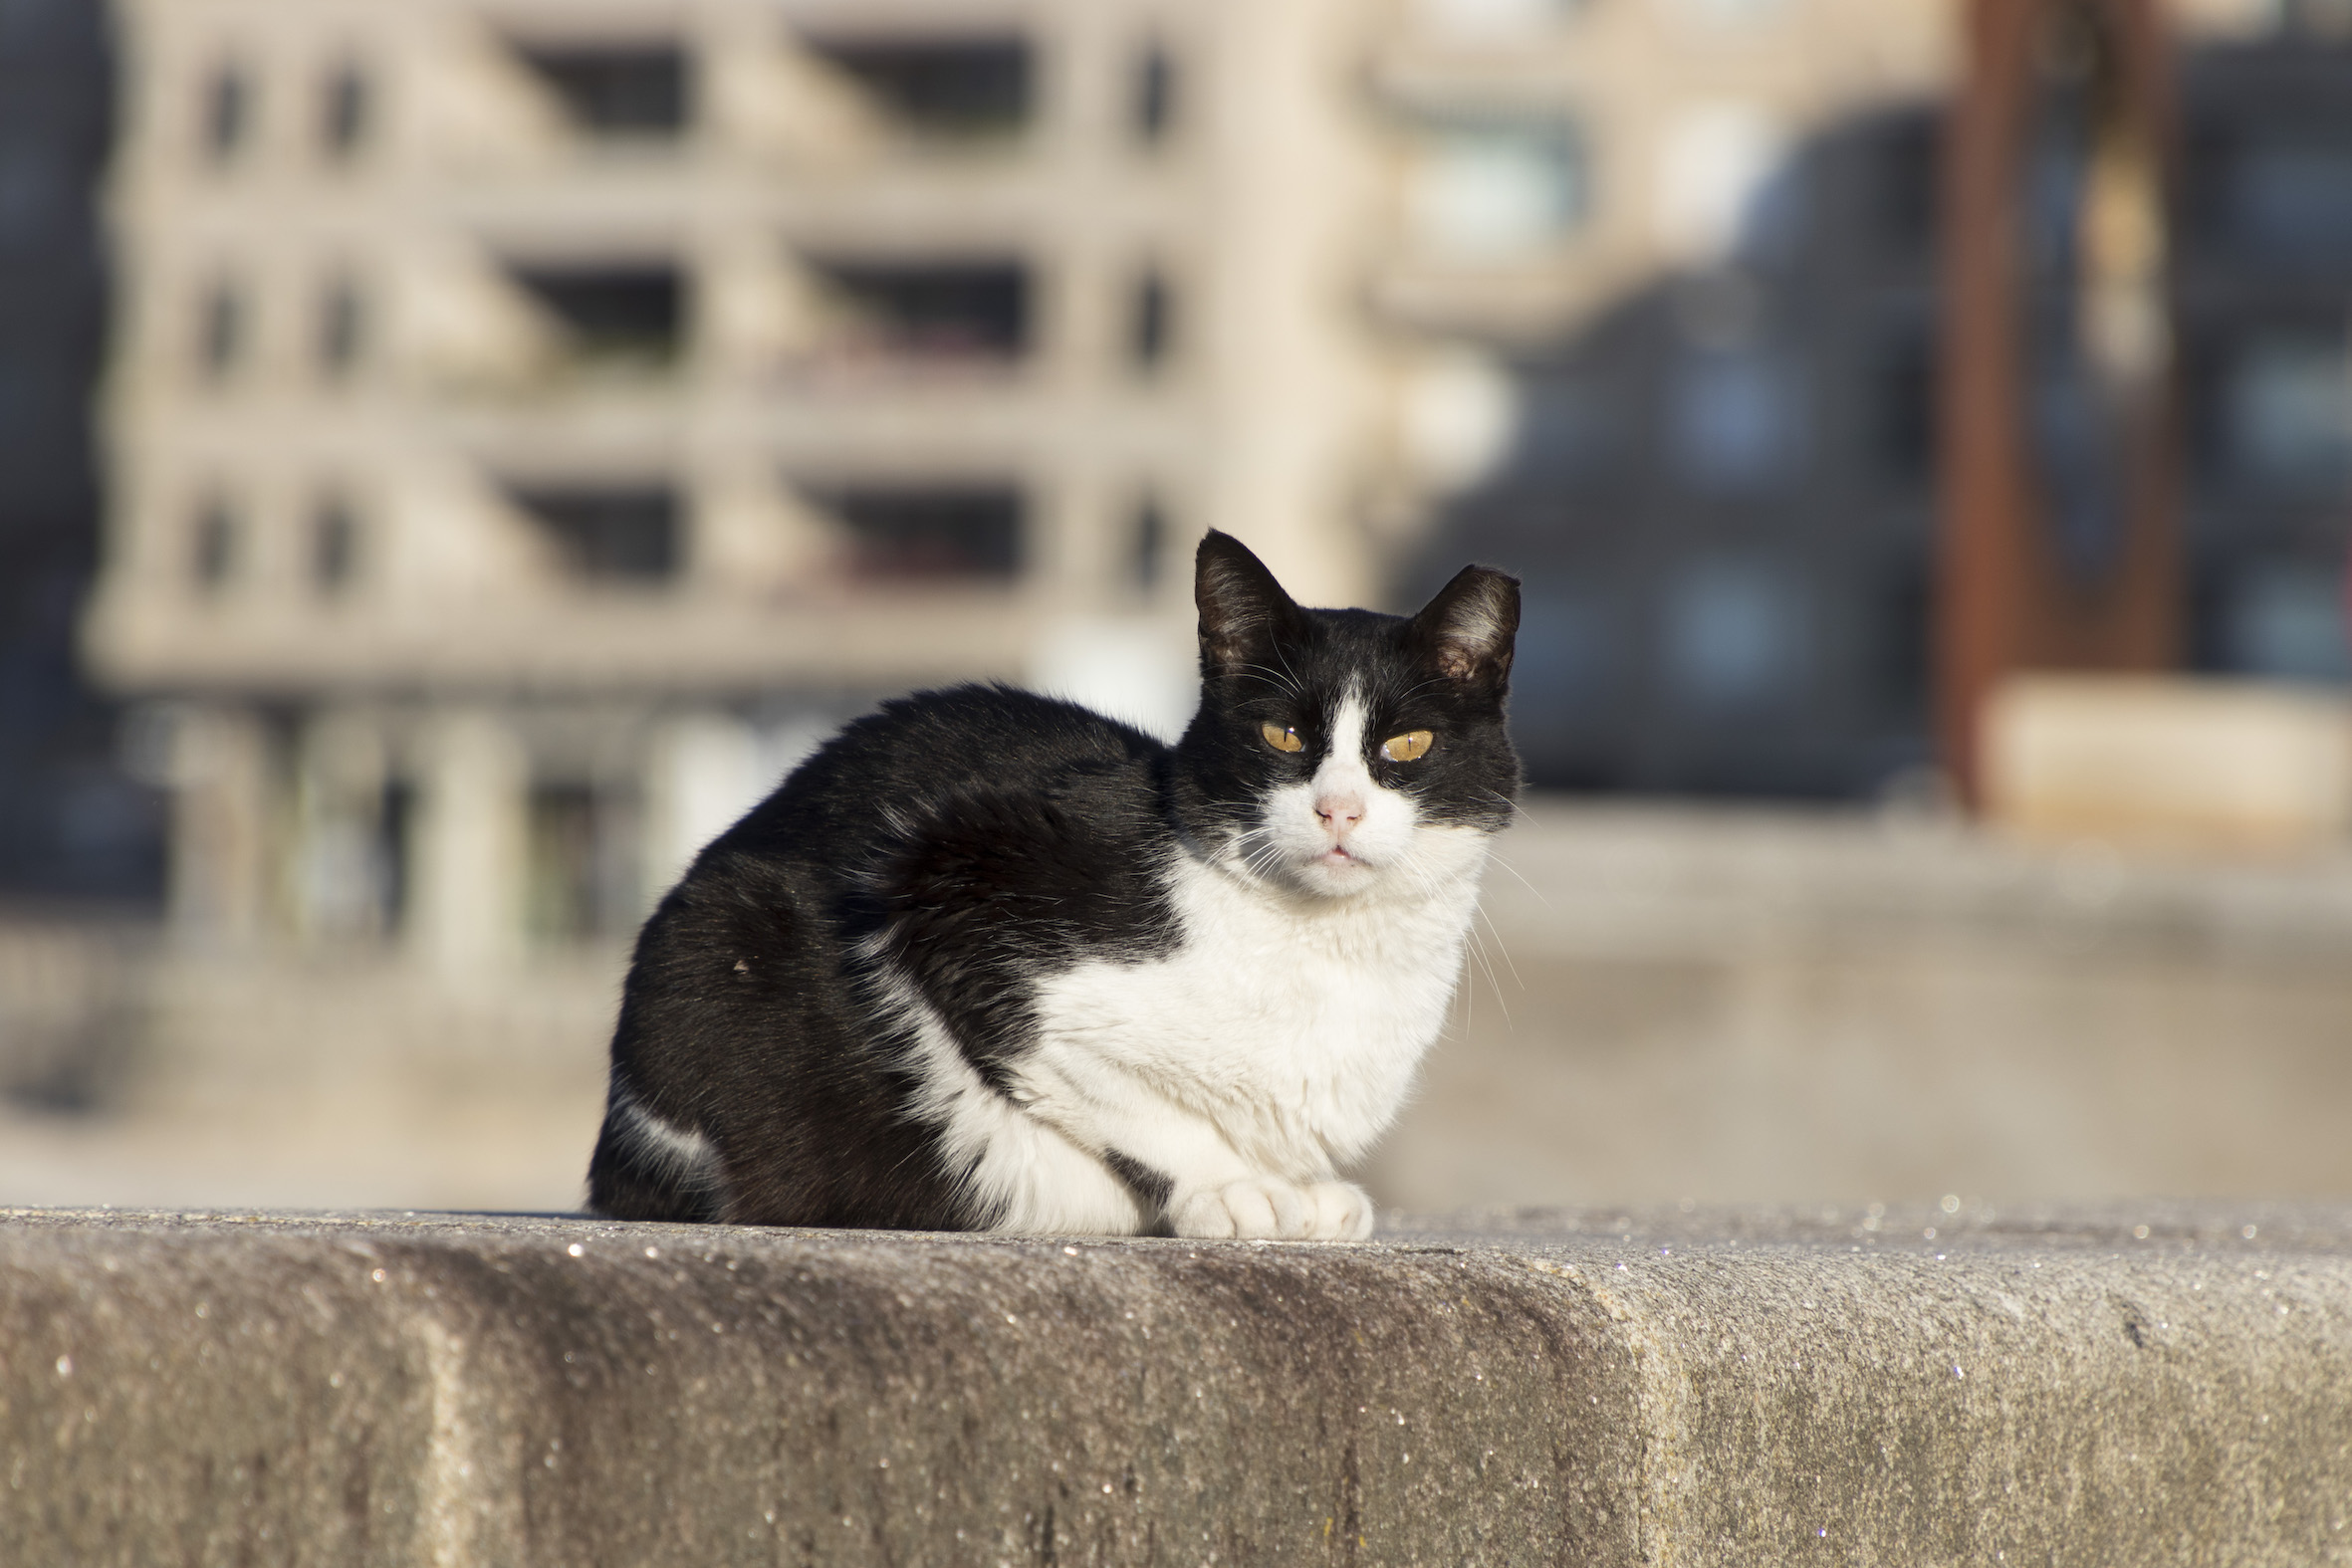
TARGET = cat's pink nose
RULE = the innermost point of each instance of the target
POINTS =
(1339, 813)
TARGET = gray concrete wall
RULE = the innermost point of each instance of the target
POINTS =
(1751, 1005)
(2145, 1386)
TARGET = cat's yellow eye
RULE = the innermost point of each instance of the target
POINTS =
(1282, 739)
(1407, 747)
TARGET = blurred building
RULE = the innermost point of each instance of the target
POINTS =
(73, 826)
(1720, 482)
(2263, 309)
(1714, 471)
(533, 423)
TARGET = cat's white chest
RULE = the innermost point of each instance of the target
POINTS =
(1297, 1027)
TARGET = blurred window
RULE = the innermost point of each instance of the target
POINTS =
(31, 188)
(2075, 426)
(1147, 559)
(1151, 323)
(622, 535)
(343, 112)
(631, 315)
(1899, 624)
(22, 21)
(1736, 633)
(24, 407)
(395, 833)
(1495, 185)
(335, 546)
(1899, 407)
(1570, 655)
(1568, 431)
(212, 546)
(227, 113)
(582, 880)
(2285, 619)
(949, 90)
(929, 310)
(2292, 200)
(1904, 184)
(2286, 412)
(1734, 420)
(901, 533)
(342, 327)
(220, 329)
(1156, 100)
(619, 91)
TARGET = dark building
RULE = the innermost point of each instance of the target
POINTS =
(1721, 499)
(2263, 296)
(1721, 494)
(71, 823)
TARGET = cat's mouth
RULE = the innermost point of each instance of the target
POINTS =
(1339, 866)
(1337, 871)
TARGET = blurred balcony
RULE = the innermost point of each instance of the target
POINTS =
(883, 631)
(617, 92)
(957, 96)
(618, 319)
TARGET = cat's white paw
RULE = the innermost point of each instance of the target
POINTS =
(1248, 1210)
(1265, 1208)
(1342, 1210)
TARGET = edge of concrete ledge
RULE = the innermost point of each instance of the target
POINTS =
(2127, 1384)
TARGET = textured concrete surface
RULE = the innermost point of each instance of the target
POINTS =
(2138, 1385)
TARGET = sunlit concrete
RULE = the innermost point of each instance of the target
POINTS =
(2149, 1385)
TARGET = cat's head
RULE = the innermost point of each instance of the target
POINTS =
(1345, 753)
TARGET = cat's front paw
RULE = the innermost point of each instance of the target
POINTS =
(1267, 1208)
(1342, 1210)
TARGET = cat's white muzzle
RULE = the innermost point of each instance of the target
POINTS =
(1337, 854)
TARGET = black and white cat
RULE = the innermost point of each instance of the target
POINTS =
(988, 961)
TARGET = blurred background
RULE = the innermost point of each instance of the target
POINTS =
(457, 455)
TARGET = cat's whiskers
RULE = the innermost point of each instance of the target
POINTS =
(1285, 678)
(1500, 945)
(1477, 947)
(1499, 859)
(1524, 882)
(1264, 861)
(1284, 653)
(1506, 801)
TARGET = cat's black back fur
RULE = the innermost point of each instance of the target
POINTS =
(1001, 828)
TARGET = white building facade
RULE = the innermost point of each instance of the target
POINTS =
(531, 425)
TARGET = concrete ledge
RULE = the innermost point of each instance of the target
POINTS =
(1588, 1388)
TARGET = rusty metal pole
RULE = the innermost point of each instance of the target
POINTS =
(2007, 600)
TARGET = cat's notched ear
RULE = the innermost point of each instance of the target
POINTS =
(1243, 612)
(1466, 632)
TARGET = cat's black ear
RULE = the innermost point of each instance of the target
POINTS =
(1245, 614)
(1466, 632)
